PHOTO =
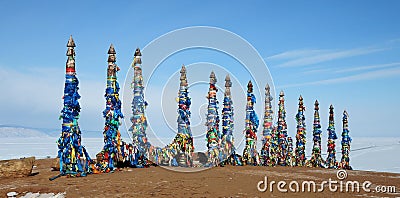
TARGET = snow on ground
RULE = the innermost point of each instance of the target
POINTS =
(376, 154)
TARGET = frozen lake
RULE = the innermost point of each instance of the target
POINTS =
(368, 153)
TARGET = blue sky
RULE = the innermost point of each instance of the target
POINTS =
(344, 53)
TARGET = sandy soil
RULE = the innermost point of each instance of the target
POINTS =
(225, 181)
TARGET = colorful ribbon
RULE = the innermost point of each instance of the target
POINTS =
(74, 160)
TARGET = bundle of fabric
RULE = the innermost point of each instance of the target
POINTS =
(346, 140)
(300, 153)
(234, 159)
(213, 135)
(112, 153)
(156, 153)
(266, 141)
(183, 141)
(291, 159)
(228, 150)
(250, 154)
(331, 158)
(274, 148)
(138, 119)
(102, 160)
(282, 153)
(316, 158)
(168, 155)
(74, 160)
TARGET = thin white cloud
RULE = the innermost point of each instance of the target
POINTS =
(305, 57)
(351, 69)
(313, 71)
(362, 68)
(363, 76)
(394, 41)
(296, 54)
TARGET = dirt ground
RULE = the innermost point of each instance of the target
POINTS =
(228, 181)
